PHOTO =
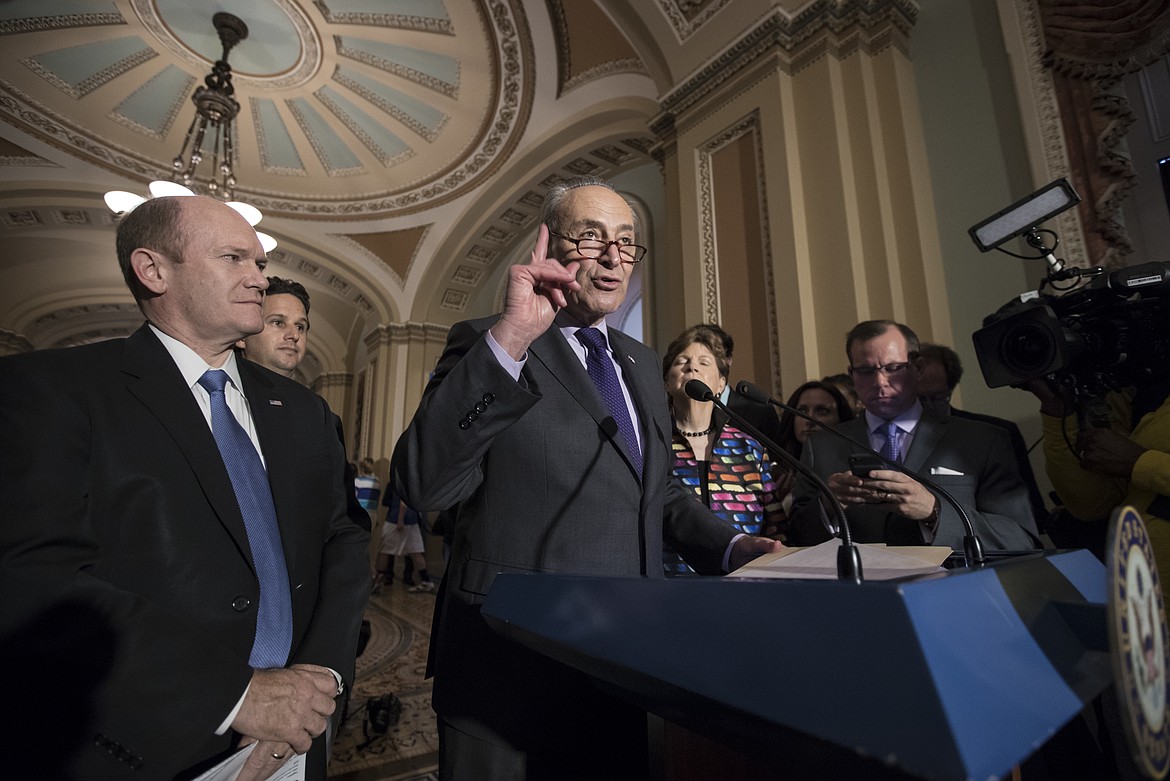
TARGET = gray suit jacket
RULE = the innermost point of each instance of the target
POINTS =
(988, 486)
(544, 484)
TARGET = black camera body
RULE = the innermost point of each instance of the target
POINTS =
(1109, 334)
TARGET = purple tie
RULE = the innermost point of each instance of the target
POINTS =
(892, 449)
(604, 376)
(254, 496)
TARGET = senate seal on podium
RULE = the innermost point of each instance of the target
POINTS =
(1138, 642)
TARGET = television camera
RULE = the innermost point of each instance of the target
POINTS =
(1105, 331)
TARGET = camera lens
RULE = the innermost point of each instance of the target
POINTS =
(1028, 350)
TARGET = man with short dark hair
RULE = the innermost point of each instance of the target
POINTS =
(550, 432)
(281, 345)
(193, 503)
(941, 371)
(972, 461)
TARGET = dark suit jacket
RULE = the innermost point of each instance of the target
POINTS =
(115, 497)
(988, 487)
(1020, 449)
(544, 484)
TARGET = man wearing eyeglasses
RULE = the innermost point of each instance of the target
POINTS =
(971, 460)
(550, 432)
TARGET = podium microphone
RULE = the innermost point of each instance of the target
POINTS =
(972, 546)
(848, 556)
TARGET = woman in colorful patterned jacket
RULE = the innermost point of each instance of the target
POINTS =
(728, 470)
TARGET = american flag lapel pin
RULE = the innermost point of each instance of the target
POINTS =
(276, 402)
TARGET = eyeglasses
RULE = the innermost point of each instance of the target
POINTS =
(869, 372)
(595, 248)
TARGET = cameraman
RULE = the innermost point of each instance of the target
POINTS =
(1125, 460)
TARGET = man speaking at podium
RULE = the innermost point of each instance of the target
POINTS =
(970, 460)
(551, 433)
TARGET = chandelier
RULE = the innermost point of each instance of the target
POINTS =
(215, 112)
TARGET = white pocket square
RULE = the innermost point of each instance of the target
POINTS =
(942, 470)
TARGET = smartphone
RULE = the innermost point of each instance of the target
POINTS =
(861, 464)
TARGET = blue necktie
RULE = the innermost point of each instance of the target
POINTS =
(604, 376)
(892, 448)
(253, 494)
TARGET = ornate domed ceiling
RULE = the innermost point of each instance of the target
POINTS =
(347, 107)
(398, 148)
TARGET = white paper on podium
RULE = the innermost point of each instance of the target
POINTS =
(878, 562)
(292, 770)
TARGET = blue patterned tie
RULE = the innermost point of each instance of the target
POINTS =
(892, 448)
(604, 376)
(253, 494)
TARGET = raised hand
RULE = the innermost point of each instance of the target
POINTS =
(536, 292)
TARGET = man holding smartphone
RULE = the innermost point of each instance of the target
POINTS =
(972, 461)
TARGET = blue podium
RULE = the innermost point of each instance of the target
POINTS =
(955, 675)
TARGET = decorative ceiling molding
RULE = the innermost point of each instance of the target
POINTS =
(687, 16)
(629, 65)
(104, 75)
(59, 22)
(607, 41)
(397, 142)
(52, 128)
(835, 28)
(307, 38)
(52, 217)
(450, 88)
(401, 21)
(513, 103)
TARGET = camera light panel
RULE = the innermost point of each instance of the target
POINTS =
(1024, 215)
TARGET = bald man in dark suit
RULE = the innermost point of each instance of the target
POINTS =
(118, 498)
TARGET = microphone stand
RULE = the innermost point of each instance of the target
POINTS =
(972, 546)
(848, 555)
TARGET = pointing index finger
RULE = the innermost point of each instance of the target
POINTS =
(540, 252)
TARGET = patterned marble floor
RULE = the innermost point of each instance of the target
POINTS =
(394, 662)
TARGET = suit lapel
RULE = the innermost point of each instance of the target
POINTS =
(556, 355)
(647, 391)
(648, 394)
(927, 434)
(155, 380)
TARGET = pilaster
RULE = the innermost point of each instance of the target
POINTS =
(399, 360)
(805, 202)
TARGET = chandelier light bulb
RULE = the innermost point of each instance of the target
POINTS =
(160, 188)
(247, 211)
(120, 201)
(215, 109)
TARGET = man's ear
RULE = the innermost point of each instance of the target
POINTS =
(240, 345)
(147, 266)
